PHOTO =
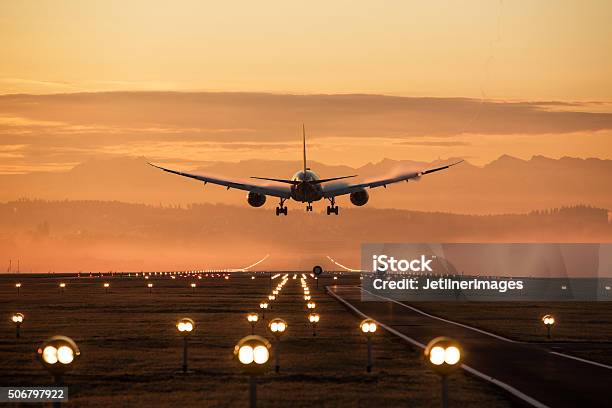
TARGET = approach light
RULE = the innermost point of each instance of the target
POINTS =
(549, 321)
(58, 355)
(185, 326)
(311, 305)
(252, 318)
(313, 318)
(263, 306)
(253, 352)
(444, 354)
(271, 297)
(368, 327)
(17, 319)
(18, 287)
(277, 326)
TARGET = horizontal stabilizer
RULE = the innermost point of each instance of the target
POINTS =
(294, 182)
(332, 179)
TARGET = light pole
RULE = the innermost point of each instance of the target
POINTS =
(106, 286)
(277, 327)
(252, 318)
(57, 356)
(444, 355)
(253, 352)
(17, 318)
(263, 306)
(62, 286)
(18, 287)
(150, 286)
(193, 287)
(185, 327)
(313, 318)
(368, 328)
(548, 321)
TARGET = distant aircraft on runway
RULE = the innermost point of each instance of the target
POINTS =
(306, 187)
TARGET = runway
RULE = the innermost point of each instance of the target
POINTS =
(528, 371)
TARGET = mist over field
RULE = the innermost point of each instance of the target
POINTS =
(102, 236)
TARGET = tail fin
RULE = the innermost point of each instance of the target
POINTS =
(304, 145)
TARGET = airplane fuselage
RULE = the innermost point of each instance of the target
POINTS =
(306, 192)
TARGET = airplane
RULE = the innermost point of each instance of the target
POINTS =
(306, 187)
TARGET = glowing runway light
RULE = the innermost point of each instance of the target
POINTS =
(17, 319)
(314, 318)
(548, 321)
(278, 327)
(57, 355)
(368, 328)
(444, 355)
(252, 318)
(185, 327)
(253, 354)
(263, 306)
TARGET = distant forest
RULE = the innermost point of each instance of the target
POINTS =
(99, 235)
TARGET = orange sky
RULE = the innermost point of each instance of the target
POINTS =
(500, 49)
(502, 56)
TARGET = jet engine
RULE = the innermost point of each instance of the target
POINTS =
(360, 197)
(256, 199)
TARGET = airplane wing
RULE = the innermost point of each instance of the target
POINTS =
(337, 190)
(280, 191)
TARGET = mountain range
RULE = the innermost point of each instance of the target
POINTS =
(505, 185)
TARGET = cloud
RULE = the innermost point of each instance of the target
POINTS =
(432, 143)
(208, 126)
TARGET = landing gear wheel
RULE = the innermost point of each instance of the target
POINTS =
(332, 210)
(309, 207)
(281, 209)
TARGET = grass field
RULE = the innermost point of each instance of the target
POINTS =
(131, 350)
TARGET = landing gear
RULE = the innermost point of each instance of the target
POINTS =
(309, 207)
(281, 209)
(333, 208)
